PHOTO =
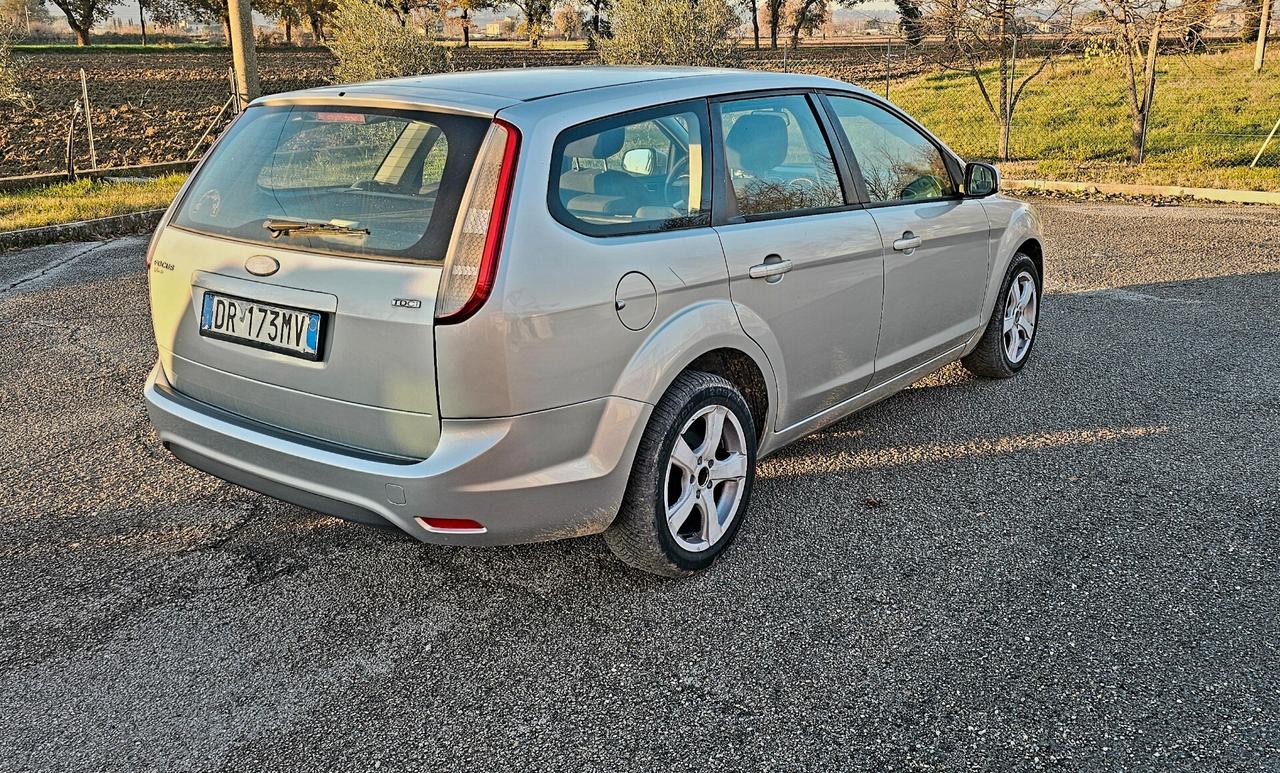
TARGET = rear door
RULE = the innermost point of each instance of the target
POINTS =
(936, 241)
(803, 259)
(335, 220)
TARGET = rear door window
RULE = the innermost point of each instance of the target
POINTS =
(777, 158)
(376, 183)
(633, 173)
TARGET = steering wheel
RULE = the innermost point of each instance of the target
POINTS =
(679, 171)
(926, 187)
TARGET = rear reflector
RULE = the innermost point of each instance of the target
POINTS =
(454, 525)
(471, 264)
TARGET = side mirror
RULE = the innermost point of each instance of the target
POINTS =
(640, 161)
(980, 180)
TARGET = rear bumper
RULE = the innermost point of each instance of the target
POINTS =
(529, 478)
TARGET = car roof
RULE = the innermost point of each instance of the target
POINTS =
(487, 91)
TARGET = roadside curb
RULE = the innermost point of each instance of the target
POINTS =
(1222, 195)
(82, 231)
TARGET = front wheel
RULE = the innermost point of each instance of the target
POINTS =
(691, 480)
(1006, 344)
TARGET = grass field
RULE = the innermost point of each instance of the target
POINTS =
(84, 199)
(1211, 115)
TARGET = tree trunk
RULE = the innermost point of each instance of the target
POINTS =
(317, 27)
(288, 31)
(466, 28)
(1264, 26)
(755, 25)
(82, 34)
(142, 22)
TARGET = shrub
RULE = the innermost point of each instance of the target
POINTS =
(673, 32)
(370, 44)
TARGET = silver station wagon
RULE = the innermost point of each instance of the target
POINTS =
(511, 306)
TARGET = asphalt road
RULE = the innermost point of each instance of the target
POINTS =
(1076, 569)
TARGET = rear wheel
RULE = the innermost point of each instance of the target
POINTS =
(691, 480)
(1006, 343)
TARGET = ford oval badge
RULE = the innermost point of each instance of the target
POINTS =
(262, 265)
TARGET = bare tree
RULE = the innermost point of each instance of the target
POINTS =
(536, 15)
(911, 21)
(752, 7)
(597, 26)
(981, 39)
(808, 16)
(83, 14)
(1139, 26)
(465, 9)
(773, 12)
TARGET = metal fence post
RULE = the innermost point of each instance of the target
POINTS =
(70, 155)
(88, 120)
(236, 107)
(888, 56)
(1265, 143)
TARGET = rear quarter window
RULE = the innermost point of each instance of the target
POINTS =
(398, 175)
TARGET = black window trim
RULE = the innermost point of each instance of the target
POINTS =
(697, 106)
(724, 206)
(948, 159)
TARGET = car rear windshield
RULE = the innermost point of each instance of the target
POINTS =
(362, 182)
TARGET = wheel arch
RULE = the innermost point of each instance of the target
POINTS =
(1020, 234)
(708, 337)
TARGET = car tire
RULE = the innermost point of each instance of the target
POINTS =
(687, 482)
(995, 355)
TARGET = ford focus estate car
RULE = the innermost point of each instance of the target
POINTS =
(511, 306)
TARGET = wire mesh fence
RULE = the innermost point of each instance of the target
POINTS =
(1210, 119)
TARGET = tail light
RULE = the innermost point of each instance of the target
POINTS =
(471, 264)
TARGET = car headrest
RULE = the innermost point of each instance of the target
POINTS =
(601, 145)
(757, 143)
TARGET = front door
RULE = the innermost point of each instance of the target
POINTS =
(805, 268)
(936, 242)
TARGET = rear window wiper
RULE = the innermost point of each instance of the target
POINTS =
(282, 226)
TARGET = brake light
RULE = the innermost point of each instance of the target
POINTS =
(455, 525)
(471, 265)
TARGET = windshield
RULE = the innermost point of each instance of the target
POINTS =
(352, 181)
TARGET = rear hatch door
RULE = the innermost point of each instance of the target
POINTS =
(296, 281)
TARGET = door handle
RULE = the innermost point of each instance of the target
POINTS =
(770, 268)
(907, 243)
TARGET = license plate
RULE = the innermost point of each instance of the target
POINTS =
(281, 329)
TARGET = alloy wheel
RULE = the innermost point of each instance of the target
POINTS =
(1020, 308)
(705, 479)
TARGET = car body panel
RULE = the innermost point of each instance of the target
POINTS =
(823, 315)
(932, 294)
(540, 398)
(337, 398)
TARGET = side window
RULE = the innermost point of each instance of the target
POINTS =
(633, 173)
(897, 162)
(777, 158)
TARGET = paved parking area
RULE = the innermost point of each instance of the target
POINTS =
(1076, 569)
